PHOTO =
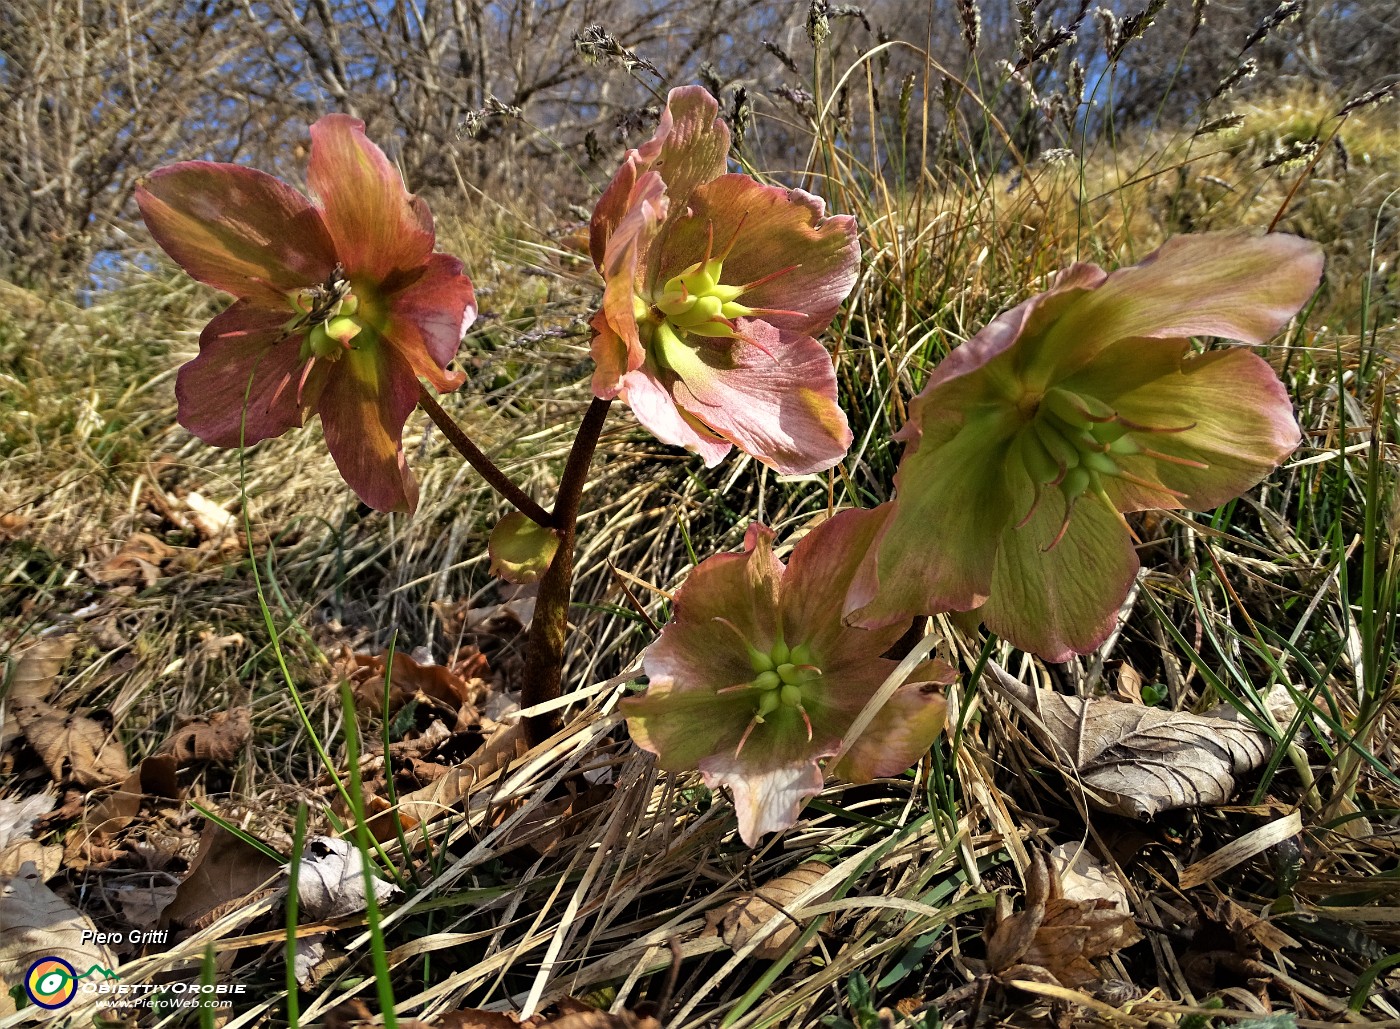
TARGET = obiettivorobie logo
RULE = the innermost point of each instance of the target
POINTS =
(52, 982)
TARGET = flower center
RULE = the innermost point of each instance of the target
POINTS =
(1074, 442)
(785, 681)
(327, 313)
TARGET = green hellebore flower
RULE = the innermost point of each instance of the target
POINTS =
(756, 680)
(1030, 441)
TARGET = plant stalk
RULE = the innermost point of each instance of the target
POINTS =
(494, 477)
(544, 656)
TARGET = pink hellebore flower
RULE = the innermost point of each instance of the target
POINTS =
(715, 286)
(341, 306)
(756, 680)
(1085, 401)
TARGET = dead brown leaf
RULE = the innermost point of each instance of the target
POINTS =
(1055, 939)
(219, 738)
(72, 747)
(1139, 761)
(35, 923)
(139, 561)
(225, 872)
(17, 842)
(505, 745)
(739, 921)
(449, 694)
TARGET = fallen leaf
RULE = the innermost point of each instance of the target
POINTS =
(17, 843)
(1084, 877)
(1140, 761)
(433, 801)
(225, 872)
(434, 686)
(138, 561)
(331, 880)
(740, 920)
(37, 668)
(72, 747)
(219, 738)
(209, 518)
(36, 923)
(1055, 939)
(142, 905)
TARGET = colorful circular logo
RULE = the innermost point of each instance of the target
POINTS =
(51, 982)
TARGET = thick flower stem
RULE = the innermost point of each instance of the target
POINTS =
(544, 656)
(494, 477)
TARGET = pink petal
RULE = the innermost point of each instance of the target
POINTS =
(379, 228)
(237, 229)
(1212, 284)
(694, 143)
(901, 733)
(820, 571)
(775, 400)
(245, 342)
(772, 229)
(691, 146)
(427, 320)
(1063, 601)
(369, 394)
(625, 249)
(766, 799)
(656, 409)
(728, 600)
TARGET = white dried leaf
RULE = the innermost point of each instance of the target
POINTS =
(331, 882)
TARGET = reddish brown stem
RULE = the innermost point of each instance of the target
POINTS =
(544, 656)
(494, 477)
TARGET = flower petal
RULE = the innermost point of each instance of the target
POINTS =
(691, 146)
(694, 143)
(727, 599)
(899, 736)
(237, 229)
(1241, 426)
(427, 320)
(1063, 601)
(245, 342)
(683, 727)
(656, 409)
(379, 228)
(632, 236)
(772, 229)
(773, 395)
(369, 394)
(766, 799)
(938, 545)
(820, 570)
(1211, 284)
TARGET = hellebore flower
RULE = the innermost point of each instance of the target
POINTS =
(1030, 440)
(715, 286)
(756, 680)
(341, 305)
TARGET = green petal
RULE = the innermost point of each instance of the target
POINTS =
(1062, 601)
(1241, 427)
(1213, 284)
(900, 734)
(940, 543)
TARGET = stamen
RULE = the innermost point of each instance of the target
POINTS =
(768, 278)
(1155, 487)
(807, 722)
(728, 247)
(747, 733)
(301, 383)
(1184, 462)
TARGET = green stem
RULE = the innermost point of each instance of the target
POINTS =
(494, 477)
(544, 656)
